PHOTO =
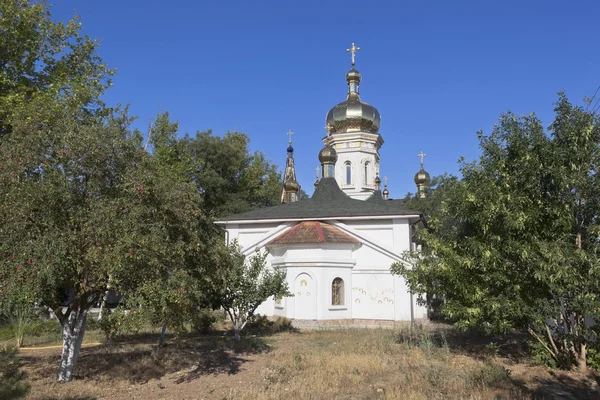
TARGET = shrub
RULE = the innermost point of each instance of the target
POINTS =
(204, 319)
(12, 384)
(594, 356)
(121, 322)
(262, 325)
(540, 356)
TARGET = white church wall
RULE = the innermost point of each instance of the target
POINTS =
(371, 291)
(372, 295)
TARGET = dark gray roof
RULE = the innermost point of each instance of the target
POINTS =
(327, 201)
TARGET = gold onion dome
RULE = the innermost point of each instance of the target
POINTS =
(422, 177)
(353, 115)
(328, 155)
(291, 185)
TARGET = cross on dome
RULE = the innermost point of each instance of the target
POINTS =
(290, 133)
(421, 156)
(385, 178)
(353, 51)
(317, 171)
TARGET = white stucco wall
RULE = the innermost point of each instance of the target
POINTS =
(371, 291)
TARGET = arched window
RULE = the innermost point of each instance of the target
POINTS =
(337, 292)
(348, 165)
(366, 175)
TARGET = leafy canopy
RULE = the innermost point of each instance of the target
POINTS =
(516, 243)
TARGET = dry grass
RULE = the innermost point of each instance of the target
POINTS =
(336, 364)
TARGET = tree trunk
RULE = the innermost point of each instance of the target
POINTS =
(161, 340)
(236, 330)
(582, 359)
(73, 332)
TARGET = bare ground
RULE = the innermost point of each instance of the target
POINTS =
(332, 364)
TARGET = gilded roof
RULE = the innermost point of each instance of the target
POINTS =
(353, 114)
(313, 232)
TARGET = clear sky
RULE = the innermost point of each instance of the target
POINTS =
(438, 71)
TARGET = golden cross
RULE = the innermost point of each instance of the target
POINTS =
(353, 50)
(385, 180)
(317, 170)
(421, 156)
(290, 133)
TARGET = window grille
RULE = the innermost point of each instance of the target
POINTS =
(337, 292)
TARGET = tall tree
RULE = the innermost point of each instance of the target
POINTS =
(86, 210)
(517, 241)
(46, 62)
(230, 177)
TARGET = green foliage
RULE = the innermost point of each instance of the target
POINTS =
(121, 322)
(262, 325)
(21, 319)
(203, 320)
(12, 379)
(45, 64)
(516, 242)
(594, 356)
(230, 177)
(243, 284)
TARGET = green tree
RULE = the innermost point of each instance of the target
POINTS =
(244, 284)
(435, 192)
(49, 63)
(12, 379)
(517, 241)
(86, 210)
(230, 177)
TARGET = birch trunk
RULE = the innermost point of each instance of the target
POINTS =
(73, 332)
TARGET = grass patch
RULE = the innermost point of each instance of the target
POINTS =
(421, 363)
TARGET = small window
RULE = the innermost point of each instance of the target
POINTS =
(366, 177)
(348, 173)
(337, 292)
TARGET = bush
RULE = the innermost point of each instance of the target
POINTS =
(203, 321)
(261, 325)
(121, 322)
(47, 328)
(540, 356)
(12, 384)
(593, 359)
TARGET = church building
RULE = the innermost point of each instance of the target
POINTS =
(337, 247)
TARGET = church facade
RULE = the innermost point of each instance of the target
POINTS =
(338, 246)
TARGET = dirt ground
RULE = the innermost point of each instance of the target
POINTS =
(342, 364)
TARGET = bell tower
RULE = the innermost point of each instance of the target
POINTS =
(353, 131)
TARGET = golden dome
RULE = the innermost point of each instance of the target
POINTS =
(328, 155)
(353, 115)
(291, 185)
(422, 177)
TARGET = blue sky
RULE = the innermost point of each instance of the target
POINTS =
(438, 71)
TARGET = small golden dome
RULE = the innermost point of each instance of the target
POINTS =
(291, 186)
(422, 177)
(328, 155)
(353, 76)
(386, 192)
